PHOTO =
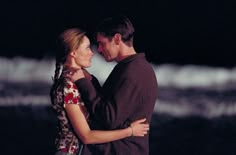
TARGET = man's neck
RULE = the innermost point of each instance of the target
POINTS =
(125, 52)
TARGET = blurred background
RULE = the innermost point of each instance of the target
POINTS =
(190, 44)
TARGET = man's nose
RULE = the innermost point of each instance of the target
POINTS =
(99, 49)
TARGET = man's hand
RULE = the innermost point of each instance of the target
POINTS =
(76, 75)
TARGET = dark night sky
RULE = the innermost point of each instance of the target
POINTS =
(185, 32)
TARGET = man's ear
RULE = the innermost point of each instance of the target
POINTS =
(117, 38)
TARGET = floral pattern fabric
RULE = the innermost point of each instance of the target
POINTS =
(71, 95)
(64, 93)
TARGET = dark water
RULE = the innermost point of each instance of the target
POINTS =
(30, 130)
(195, 112)
(185, 121)
(193, 135)
(27, 130)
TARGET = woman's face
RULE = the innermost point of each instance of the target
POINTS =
(83, 54)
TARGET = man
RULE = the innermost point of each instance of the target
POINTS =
(129, 93)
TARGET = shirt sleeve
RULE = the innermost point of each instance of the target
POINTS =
(113, 110)
(71, 94)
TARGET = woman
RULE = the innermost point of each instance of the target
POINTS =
(75, 55)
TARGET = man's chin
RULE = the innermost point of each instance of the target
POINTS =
(109, 60)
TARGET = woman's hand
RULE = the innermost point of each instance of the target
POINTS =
(139, 127)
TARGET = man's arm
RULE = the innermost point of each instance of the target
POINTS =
(112, 110)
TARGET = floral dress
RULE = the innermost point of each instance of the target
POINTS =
(64, 93)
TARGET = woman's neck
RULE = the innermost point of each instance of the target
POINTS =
(72, 66)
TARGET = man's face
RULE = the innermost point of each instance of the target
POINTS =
(107, 47)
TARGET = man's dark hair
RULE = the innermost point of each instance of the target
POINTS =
(117, 24)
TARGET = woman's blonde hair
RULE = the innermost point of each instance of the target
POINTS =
(71, 39)
(68, 41)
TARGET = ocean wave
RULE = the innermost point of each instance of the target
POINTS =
(170, 75)
(20, 69)
(180, 108)
(25, 100)
(206, 109)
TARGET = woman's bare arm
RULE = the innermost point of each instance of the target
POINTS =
(88, 136)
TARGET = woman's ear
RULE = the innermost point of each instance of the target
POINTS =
(72, 53)
(117, 38)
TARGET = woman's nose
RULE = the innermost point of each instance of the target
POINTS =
(91, 52)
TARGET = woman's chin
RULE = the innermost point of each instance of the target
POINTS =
(87, 66)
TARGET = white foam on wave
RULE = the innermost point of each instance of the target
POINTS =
(23, 70)
(180, 109)
(207, 109)
(25, 100)
(169, 75)
(20, 69)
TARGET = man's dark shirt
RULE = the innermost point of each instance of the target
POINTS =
(128, 94)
